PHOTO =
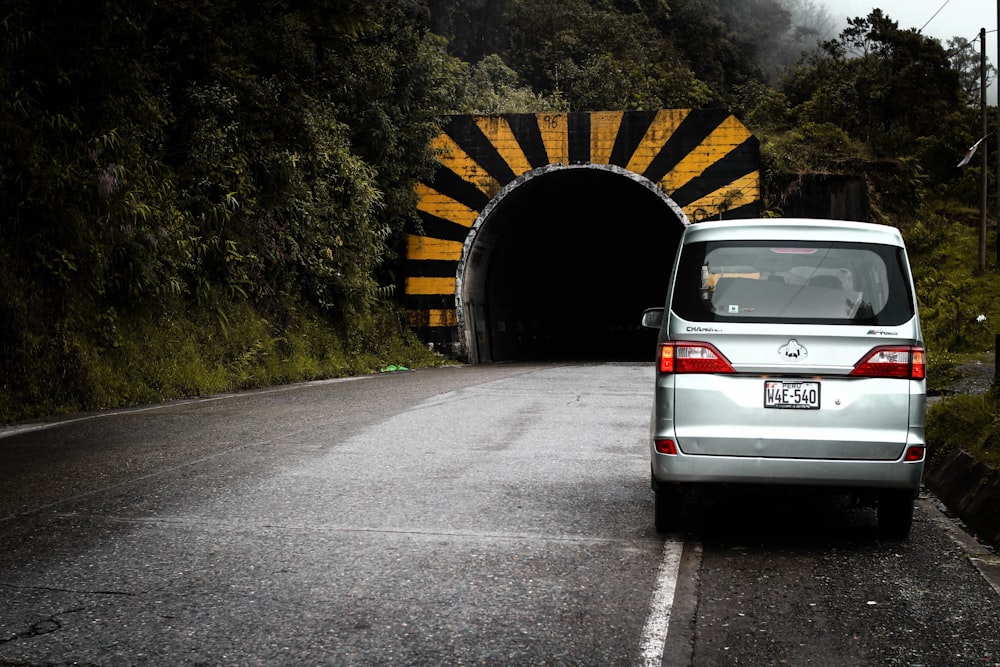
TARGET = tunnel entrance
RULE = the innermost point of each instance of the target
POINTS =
(562, 264)
(543, 236)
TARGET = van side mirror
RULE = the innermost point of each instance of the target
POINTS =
(652, 318)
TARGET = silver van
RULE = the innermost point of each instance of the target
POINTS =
(789, 353)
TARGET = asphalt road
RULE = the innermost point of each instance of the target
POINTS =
(495, 515)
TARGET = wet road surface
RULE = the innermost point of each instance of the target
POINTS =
(493, 515)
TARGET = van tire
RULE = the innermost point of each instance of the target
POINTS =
(668, 509)
(895, 514)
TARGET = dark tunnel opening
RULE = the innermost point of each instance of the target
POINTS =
(563, 266)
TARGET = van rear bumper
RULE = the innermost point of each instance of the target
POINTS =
(687, 468)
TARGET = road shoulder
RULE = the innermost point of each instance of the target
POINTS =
(981, 556)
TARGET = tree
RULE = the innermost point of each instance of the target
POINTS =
(882, 85)
(726, 43)
(965, 59)
(491, 87)
(164, 155)
(158, 148)
(810, 24)
(473, 29)
(896, 98)
(629, 54)
(388, 82)
(598, 57)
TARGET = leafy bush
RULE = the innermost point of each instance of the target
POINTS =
(197, 197)
(950, 312)
(176, 352)
(968, 422)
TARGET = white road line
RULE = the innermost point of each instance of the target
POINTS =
(53, 422)
(654, 633)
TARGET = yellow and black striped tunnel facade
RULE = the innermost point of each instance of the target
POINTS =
(706, 162)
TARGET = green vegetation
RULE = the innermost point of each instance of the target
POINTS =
(199, 197)
(953, 295)
(203, 196)
(968, 422)
(175, 352)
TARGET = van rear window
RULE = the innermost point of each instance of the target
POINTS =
(791, 282)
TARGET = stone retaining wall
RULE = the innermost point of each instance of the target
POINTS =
(970, 489)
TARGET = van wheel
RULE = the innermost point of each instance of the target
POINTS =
(668, 509)
(895, 514)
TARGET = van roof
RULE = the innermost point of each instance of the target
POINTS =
(793, 229)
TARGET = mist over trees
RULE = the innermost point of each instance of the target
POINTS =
(634, 54)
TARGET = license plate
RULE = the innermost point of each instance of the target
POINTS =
(792, 395)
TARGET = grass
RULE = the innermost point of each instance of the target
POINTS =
(960, 313)
(945, 370)
(176, 353)
(967, 422)
(961, 420)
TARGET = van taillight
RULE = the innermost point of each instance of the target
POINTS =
(687, 357)
(907, 362)
(666, 446)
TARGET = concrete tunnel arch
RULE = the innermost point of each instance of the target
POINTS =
(550, 269)
(543, 236)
